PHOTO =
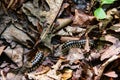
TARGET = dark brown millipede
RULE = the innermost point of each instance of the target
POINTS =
(71, 44)
(36, 62)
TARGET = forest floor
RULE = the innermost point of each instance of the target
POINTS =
(59, 40)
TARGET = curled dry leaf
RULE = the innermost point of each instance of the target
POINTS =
(62, 23)
(114, 12)
(111, 74)
(81, 18)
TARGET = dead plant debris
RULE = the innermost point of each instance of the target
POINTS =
(59, 40)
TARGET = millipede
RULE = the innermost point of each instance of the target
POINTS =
(72, 44)
(36, 62)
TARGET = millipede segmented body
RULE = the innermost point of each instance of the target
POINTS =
(72, 44)
(36, 61)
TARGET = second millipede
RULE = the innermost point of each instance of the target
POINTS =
(65, 47)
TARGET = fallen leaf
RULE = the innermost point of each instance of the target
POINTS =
(111, 38)
(53, 74)
(15, 54)
(111, 51)
(81, 18)
(111, 74)
(78, 73)
(116, 27)
(67, 74)
(75, 54)
(1, 49)
(43, 70)
(103, 66)
(58, 64)
(50, 15)
(16, 34)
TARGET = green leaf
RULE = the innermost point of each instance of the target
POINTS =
(99, 13)
(107, 1)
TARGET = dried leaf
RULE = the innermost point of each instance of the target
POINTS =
(15, 34)
(43, 70)
(81, 18)
(111, 38)
(103, 66)
(29, 9)
(116, 27)
(53, 74)
(58, 64)
(1, 49)
(74, 55)
(67, 74)
(111, 51)
(111, 74)
(15, 54)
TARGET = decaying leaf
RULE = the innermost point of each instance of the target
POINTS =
(111, 38)
(111, 51)
(62, 23)
(15, 54)
(74, 55)
(103, 66)
(1, 49)
(111, 74)
(116, 27)
(29, 26)
(81, 18)
(15, 34)
(29, 9)
(50, 75)
(67, 74)
(11, 76)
